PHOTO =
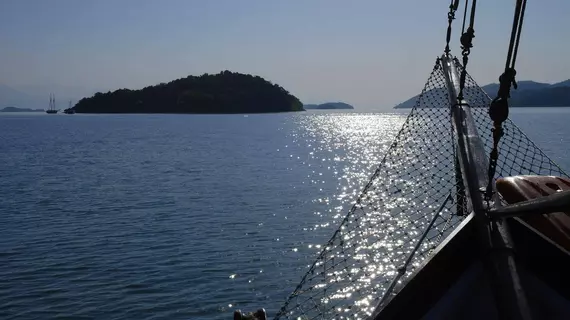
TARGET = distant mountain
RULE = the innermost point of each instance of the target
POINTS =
(528, 94)
(552, 96)
(536, 94)
(10, 97)
(37, 96)
(565, 83)
(410, 103)
(14, 109)
(63, 93)
(492, 88)
(328, 105)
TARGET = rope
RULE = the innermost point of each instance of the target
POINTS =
(464, 16)
(515, 33)
(499, 108)
(450, 17)
(466, 45)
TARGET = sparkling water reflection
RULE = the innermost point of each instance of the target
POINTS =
(174, 217)
(182, 217)
(414, 190)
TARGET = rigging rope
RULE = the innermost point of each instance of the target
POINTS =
(464, 16)
(466, 45)
(450, 17)
(499, 107)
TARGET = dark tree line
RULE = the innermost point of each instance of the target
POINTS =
(226, 92)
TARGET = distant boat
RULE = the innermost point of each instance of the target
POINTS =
(51, 109)
(69, 110)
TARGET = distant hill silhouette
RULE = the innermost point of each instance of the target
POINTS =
(329, 105)
(491, 89)
(36, 96)
(528, 94)
(226, 92)
(14, 109)
(565, 83)
(10, 97)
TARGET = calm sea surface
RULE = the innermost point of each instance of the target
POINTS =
(184, 216)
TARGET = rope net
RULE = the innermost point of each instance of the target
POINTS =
(410, 188)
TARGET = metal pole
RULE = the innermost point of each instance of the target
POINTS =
(557, 202)
(496, 246)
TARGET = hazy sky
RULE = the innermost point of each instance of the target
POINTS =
(370, 53)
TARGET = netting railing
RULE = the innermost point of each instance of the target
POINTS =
(409, 189)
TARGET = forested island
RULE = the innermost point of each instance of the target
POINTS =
(226, 92)
(329, 105)
(528, 94)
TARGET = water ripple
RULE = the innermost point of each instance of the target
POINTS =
(172, 217)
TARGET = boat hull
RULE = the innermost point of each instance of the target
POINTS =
(453, 283)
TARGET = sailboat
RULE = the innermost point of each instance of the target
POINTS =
(70, 109)
(464, 218)
(51, 109)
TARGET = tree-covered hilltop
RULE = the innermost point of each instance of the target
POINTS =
(226, 92)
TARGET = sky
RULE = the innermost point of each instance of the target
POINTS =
(372, 54)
